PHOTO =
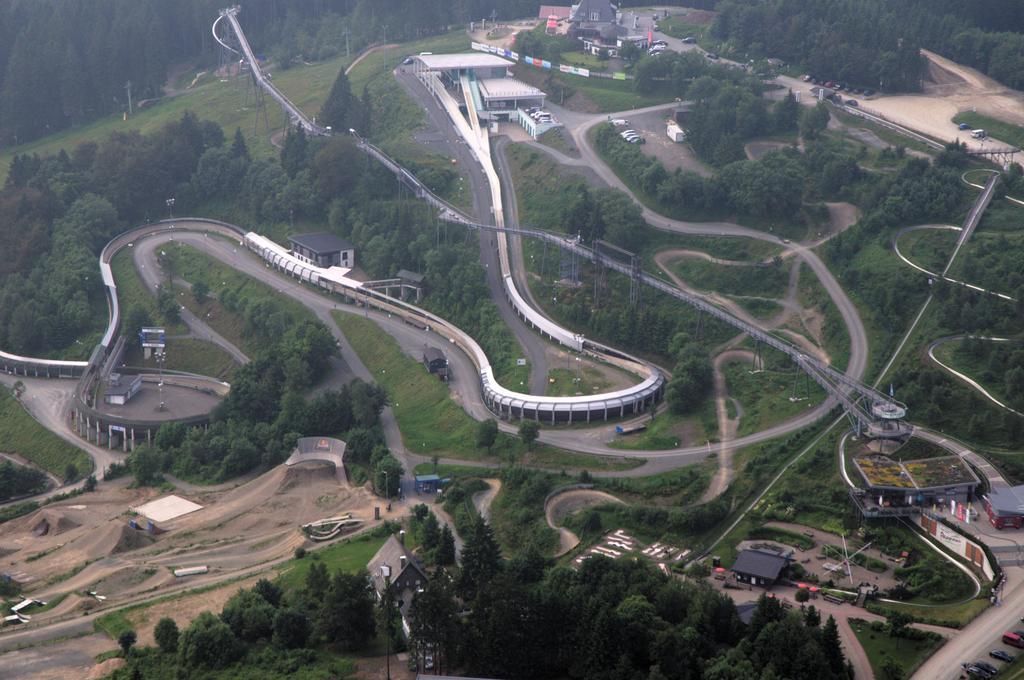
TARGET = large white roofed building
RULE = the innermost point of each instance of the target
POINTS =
(482, 81)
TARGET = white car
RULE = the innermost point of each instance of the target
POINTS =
(619, 122)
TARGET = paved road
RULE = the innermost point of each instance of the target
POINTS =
(49, 402)
(580, 124)
(144, 256)
(532, 345)
(982, 635)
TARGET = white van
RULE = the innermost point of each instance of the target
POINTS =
(979, 134)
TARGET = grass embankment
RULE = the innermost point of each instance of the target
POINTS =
(20, 434)
(880, 646)
(191, 355)
(220, 102)
(765, 395)
(397, 117)
(559, 140)
(885, 134)
(1001, 130)
(768, 281)
(563, 382)
(928, 248)
(244, 291)
(758, 289)
(188, 355)
(977, 368)
(590, 95)
(949, 614)
(678, 27)
(131, 292)
(834, 336)
(430, 422)
(678, 487)
(351, 556)
(668, 430)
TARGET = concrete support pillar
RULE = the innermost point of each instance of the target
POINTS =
(149, 436)
(110, 436)
(124, 441)
(133, 439)
(88, 425)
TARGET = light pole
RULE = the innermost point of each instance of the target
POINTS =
(170, 208)
(160, 358)
(386, 601)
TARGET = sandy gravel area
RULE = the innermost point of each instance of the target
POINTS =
(87, 544)
(950, 89)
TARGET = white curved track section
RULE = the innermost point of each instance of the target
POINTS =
(969, 183)
(503, 401)
(217, 37)
(935, 275)
(540, 323)
(971, 382)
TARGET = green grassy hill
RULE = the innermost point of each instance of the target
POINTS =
(228, 103)
(22, 435)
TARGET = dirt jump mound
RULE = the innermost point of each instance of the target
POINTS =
(130, 539)
(48, 522)
(309, 472)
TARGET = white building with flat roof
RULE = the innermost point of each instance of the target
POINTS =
(452, 66)
(505, 95)
(484, 81)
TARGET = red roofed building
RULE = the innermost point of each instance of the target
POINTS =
(548, 11)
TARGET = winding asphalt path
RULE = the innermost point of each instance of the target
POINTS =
(49, 402)
(580, 125)
(144, 257)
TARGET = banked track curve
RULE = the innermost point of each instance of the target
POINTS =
(587, 408)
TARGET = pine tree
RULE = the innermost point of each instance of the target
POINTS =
(832, 647)
(431, 532)
(365, 112)
(434, 623)
(446, 548)
(239, 149)
(481, 559)
(337, 110)
(295, 153)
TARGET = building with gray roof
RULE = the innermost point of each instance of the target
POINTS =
(760, 567)
(323, 250)
(396, 563)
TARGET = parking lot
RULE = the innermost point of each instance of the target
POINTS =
(651, 126)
